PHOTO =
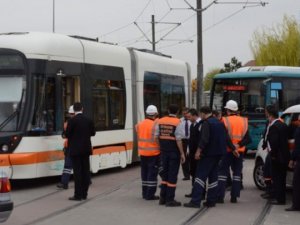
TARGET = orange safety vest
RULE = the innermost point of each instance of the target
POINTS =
(237, 127)
(167, 127)
(147, 146)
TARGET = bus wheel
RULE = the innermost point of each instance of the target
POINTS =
(258, 175)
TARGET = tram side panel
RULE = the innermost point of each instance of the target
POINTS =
(109, 71)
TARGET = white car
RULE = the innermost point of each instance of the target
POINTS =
(6, 205)
(290, 115)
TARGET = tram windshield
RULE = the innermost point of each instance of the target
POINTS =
(10, 102)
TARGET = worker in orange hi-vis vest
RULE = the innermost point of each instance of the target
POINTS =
(149, 152)
(65, 177)
(237, 139)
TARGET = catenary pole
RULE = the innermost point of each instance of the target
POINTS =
(199, 56)
(153, 32)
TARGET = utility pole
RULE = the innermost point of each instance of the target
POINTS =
(199, 56)
(153, 32)
(53, 17)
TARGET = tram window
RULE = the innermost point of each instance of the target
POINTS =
(162, 90)
(71, 92)
(44, 110)
(109, 107)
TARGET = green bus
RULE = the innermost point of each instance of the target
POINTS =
(253, 88)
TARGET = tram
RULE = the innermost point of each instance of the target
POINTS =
(42, 74)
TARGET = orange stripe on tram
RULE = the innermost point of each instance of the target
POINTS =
(49, 156)
(30, 158)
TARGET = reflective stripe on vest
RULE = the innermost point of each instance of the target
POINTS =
(147, 146)
(237, 127)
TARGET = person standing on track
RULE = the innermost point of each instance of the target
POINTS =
(237, 139)
(277, 142)
(65, 177)
(169, 135)
(149, 152)
(210, 149)
(295, 164)
(185, 125)
(79, 131)
(193, 143)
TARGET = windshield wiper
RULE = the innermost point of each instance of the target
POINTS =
(8, 119)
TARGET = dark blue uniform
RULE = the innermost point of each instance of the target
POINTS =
(170, 157)
(213, 146)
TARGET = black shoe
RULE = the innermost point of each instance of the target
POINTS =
(162, 201)
(209, 204)
(220, 200)
(186, 178)
(233, 200)
(62, 186)
(264, 195)
(84, 198)
(275, 202)
(153, 198)
(191, 205)
(188, 195)
(292, 209)
(74, 198)
(267, 196)
(173, 203)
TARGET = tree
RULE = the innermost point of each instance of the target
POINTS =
(279, 45)
(233, 65)
(207, 81)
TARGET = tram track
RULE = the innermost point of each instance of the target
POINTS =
(263, 214)
(195, 216)
(61, 211)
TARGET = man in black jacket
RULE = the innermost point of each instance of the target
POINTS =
(277, 142)
(295, 164)
(79, 132)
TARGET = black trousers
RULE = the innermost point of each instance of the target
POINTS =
(296, 186)
(279, 171)
(186, 164)
(81, 170)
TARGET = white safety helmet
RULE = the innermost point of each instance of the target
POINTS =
(71, 110)
(151, 110)
(231, 105)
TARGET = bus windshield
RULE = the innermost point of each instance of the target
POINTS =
(10, 101)
(248, 93)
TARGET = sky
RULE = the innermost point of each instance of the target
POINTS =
(227, 28)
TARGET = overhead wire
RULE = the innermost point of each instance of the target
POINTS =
(131, 23)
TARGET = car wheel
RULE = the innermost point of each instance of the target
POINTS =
(258, 175)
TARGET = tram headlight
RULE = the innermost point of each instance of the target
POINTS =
(4, 148)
